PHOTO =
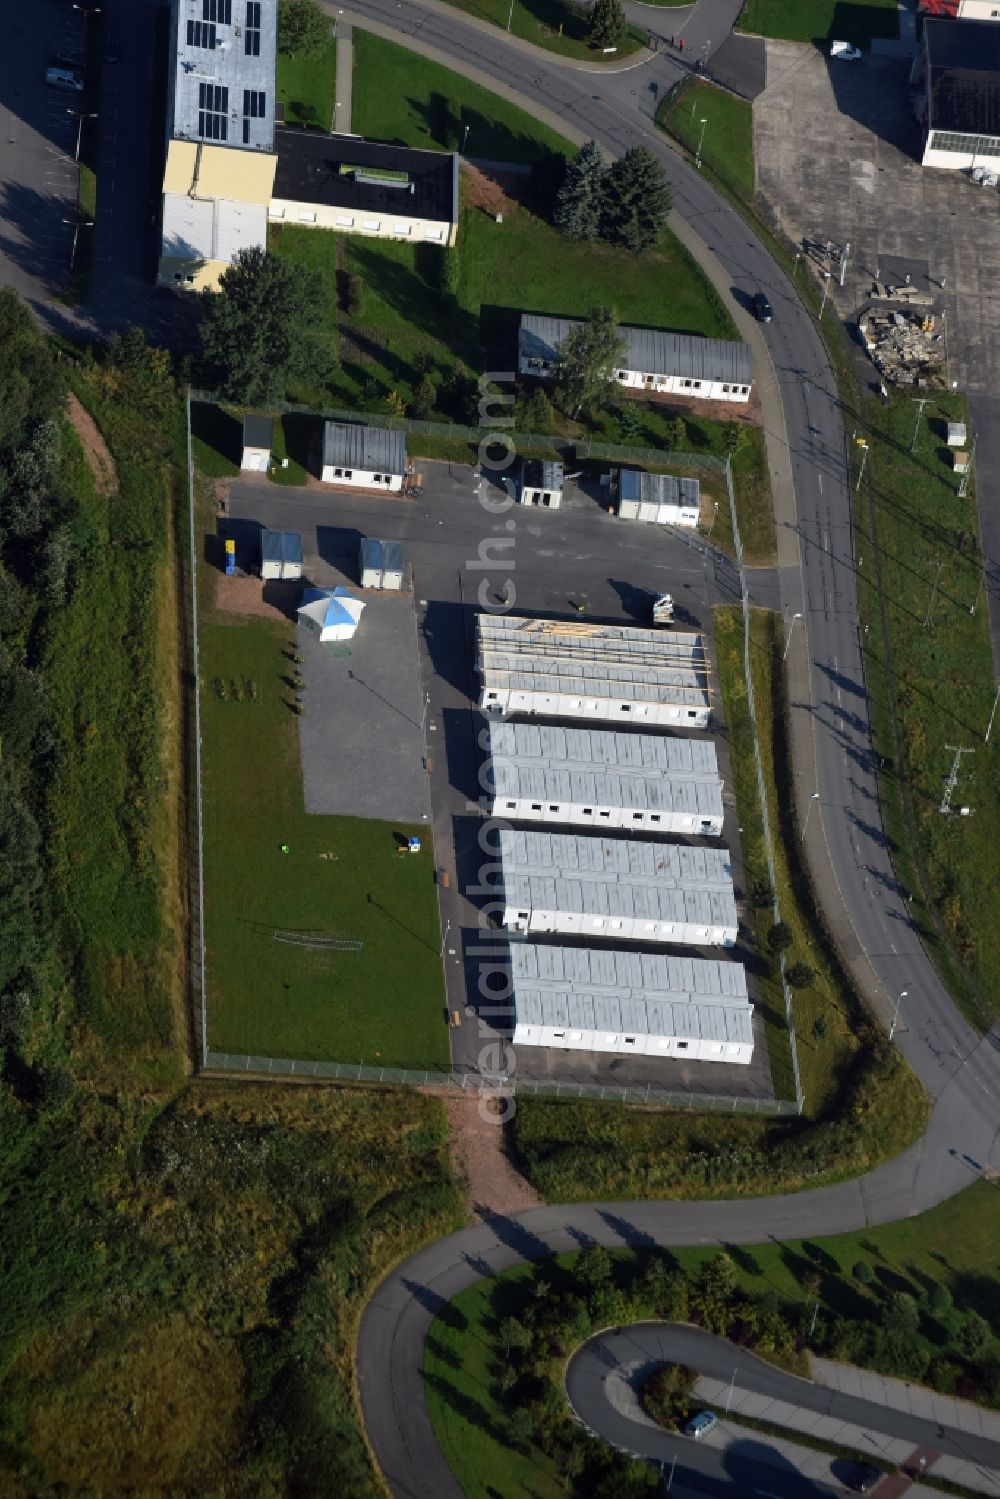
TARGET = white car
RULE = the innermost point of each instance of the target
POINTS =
(65, 79)
(844, 52)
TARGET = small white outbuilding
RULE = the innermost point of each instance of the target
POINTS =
(363, 457)
(258, 440)
(330, 613)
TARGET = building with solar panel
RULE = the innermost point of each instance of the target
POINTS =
(578, 669)
(220, 160)
(681, 364)
(646, 1004)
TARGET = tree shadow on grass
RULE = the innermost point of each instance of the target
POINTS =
(466, 1406)
(407, 292)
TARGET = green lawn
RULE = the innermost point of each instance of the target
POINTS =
(929, 666)
(557, 25)
(341, 877)
(307, 86)
(820, 20)
(401, 96)
(727, 138)
(521, 264)
(954, 1246)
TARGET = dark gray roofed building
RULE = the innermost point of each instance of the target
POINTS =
(962, 98)
(539, 481)
(365, 187)
(663, 363)
(365, 457)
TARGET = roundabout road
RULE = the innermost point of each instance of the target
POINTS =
(634, 1352)
(852, 864)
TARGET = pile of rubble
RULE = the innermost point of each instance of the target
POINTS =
(907, 348)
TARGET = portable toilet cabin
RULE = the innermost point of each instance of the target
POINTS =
(370, 568)
(258, 433)
(280, 555)
(393, 565)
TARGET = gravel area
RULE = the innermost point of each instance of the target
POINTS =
(477, 1154)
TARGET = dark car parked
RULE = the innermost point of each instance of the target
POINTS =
(864, 1478)
(762, 309)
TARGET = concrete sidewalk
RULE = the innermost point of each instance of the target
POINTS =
(796, 1418)
(344, 97)
(900, 1395)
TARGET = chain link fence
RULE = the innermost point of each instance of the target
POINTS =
(576, 448)
(762, 787)
(466, 1082)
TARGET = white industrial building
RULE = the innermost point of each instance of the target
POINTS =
(559, 669)
(682, 364)
(596, 778)
(617, 888)
(658, 499)
(961, 99)
(363, 457)
(591, 999)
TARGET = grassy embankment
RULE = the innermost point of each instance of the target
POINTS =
(183, 1265)
(820, 21)
(556, 25)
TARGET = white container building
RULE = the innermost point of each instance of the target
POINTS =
(617, 889)
(658, 499)
(683, 364)
(601, 1000)
(610, 673)
(258, 440)
(363, 457)
(381, 564)
(280, 555)
(598, 779)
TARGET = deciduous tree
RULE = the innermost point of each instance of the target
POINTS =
(588, 356)
(302, 27)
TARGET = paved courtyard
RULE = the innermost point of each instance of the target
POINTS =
(837, 148)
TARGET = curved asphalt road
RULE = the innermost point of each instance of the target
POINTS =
(634, 1352)
(960, 1070)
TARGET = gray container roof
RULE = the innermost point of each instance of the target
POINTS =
(281, 546)
(224, 73)
(370, 449)
(649, 350)
(371, 553)
(631, 793)
(615, 877)
(553, 746)
(542, 473)
(392, 556)
(630, 993)
(660, 489)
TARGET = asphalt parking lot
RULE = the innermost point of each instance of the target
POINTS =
(467, 548)
(38, 131)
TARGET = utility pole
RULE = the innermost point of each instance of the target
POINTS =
(930, 601)
(950, 783)
(812, 1325)
(989, 726)
(921, 403)
(982, 580)
(963, 488)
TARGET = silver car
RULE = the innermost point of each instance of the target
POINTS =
(64, 78)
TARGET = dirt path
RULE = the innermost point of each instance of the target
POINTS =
(98, 455)
(477, 1154)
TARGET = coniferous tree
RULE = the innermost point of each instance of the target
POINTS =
(588, 357)
(607, 23)
(577, 210)
(636, 201)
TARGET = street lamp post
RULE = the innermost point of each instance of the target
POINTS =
(812, 802)
(729, 1397)
(788, 640)
(895, 1014)
(701, 138)
(862, 444)
(510, 14)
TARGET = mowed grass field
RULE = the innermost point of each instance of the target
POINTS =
(727, 139)
(307, 85)
(342, 877)
(402, 97)
(820, 20)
